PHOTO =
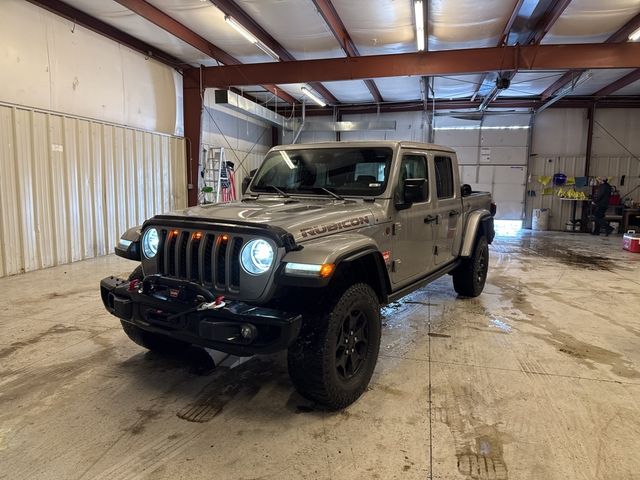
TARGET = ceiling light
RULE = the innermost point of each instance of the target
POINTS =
(313, 97)
(250, 37)
(419, 8)
(635, 35)
(267, 50)
(240, 29)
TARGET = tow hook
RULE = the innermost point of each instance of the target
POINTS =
(217, 304)
(134, 285)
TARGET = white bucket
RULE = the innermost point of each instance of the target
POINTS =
(540, 219)
(615, 226)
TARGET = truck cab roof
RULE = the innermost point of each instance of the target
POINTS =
(368, 144)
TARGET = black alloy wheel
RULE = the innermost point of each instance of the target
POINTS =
(352, 345)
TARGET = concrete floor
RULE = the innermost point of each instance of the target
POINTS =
(539, 378)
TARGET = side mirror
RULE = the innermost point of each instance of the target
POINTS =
(415, 190)
(466, 190)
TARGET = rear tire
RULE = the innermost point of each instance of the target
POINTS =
(332, 361)
(469, 278)
(151, 341)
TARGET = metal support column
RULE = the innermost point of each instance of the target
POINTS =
(591, 111)
(587, 161)
(192, 102)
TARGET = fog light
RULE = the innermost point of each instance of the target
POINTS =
(248, 332)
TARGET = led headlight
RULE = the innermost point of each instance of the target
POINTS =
(256, 256)
(150, 241)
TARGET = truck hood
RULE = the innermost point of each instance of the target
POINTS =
(304, 219)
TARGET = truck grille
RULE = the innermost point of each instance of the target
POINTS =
(210, 259)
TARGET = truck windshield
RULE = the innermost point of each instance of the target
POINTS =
(344, 171)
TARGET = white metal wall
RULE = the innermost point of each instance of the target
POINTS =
(49, 62)
(559, 145)
(69, 187)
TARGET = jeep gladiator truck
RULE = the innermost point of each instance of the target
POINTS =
(324, 236)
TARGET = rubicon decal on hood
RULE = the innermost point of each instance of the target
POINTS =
(332, 227)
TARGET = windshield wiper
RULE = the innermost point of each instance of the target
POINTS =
(325, 190)
(280, 191)
(333, 194)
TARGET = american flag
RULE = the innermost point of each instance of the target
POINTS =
(227, 183)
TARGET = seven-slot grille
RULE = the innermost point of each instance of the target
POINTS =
(211, 259)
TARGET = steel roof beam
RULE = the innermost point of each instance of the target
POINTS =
(443, 62)
(524, 103)
(87, 21)
(546, 21)
(178, 30)
(628, 79)
(620, 36)
(504, 37)
(331, 17)
(229, 7)
(537, 33)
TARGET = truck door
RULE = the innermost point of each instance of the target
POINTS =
(413, 236)
(447, 207)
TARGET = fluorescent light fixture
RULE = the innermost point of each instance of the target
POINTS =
(635, 35)
(313, 97)
(267, 50)
(287, 160)
(419, 9)
(250, 37)
(240, 29)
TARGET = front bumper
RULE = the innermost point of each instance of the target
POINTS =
(174, 308)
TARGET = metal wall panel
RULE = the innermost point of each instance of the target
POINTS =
(69, 187)
(559, 144)
(547, 165)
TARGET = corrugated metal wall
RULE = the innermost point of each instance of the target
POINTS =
(69, 187)
(559, 143)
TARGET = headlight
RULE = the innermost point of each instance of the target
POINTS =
(256, 257)
(150, 241)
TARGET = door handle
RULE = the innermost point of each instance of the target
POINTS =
(453, 213)
(430, 219)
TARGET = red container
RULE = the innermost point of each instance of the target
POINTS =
(631, 242)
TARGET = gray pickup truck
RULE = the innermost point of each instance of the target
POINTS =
(324, 236)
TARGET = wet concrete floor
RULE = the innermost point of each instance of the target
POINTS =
(539, 378)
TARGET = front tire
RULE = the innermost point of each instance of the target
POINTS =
(469, 278)
(332, 361)
(151, 341)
